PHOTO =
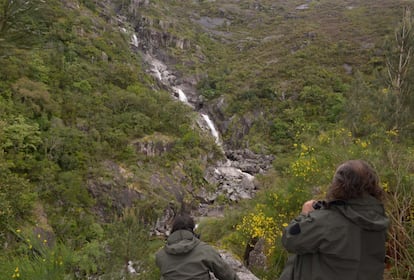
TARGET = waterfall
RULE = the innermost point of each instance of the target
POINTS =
(181, 95)
(160, 71)
(134, 40)
(231, 176)
(213, 129)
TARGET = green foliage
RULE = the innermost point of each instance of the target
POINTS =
(317, 102)
(209, 88)
(16, 199)
(398, 181)
(33, 97)
(89, 4)
(214, 230)
(39, 262)
(83, 86)
(73, 95)
(128, 240)
(195, 173)
(20, 136)
(281, 131)
(399, 75)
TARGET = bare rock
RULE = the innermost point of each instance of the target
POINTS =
(257, 257)
(236, 265)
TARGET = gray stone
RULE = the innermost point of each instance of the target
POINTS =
(236, 265)
(257, 257)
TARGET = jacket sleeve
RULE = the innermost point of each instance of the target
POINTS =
(219, 267)
(311, 233)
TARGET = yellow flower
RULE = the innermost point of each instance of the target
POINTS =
(364, 144)
(16, 273)
(385, 186)
(285, 224)
(393, 132)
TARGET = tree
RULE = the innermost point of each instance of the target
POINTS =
(13, 19)
(20, 136)
(398, 68)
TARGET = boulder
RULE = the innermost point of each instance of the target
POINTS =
(236, 265)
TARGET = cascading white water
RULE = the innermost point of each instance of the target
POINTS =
(157, 68)
(229, 178)
(160, 71)
(181, 95)
(213, 129)
(134, 41)
(158, 74)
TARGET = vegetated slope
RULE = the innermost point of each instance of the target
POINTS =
(285, 51)
(85, 134)
(263, 57)
(313, 83)
(79, 112)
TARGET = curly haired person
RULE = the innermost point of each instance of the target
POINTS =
(344, 236)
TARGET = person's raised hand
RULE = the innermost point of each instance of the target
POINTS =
(308, 206)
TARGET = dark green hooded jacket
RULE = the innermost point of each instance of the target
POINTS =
(344, 241)
(185, 257)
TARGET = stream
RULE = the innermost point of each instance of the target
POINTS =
(233, 182)
(233, 176)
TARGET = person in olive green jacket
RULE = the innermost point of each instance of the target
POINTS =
(185, 257)
(342, 238)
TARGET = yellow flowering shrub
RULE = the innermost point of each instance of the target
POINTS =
(306, 166)
(259, 225)
(316, 162)
(270, 217)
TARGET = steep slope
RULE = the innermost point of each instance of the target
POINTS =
(86, 134)
(250, 59)
(97, 145)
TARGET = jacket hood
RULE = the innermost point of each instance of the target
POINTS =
(181, 242)
(367, 212)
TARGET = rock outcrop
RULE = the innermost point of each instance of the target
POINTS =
(250, 162)
(241, 270)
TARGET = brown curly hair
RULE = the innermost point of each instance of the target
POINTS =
(353, 179)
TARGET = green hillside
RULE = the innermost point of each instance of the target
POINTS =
(93, 149)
